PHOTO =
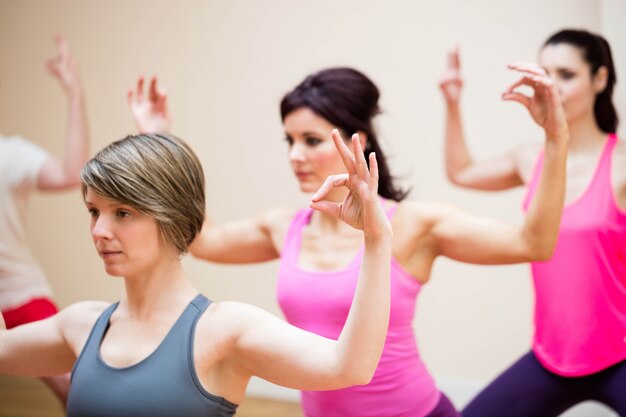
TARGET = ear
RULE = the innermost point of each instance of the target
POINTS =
(600, 79)
(363, 139)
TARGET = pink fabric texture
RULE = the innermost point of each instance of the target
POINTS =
(580, 307)
(319, 302)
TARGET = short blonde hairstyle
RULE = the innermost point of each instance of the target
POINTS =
(157, 174)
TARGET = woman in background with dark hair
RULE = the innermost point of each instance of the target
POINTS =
(579, 347)
(320, 258)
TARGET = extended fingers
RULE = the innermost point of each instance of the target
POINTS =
(62, 46)
(528, 67)
(139, 88)
(344, 151)
(373, 178)
(454, 60)
(361, 163)
(156, 94)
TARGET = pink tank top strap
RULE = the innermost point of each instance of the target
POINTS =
(603, 171)
(292, 239)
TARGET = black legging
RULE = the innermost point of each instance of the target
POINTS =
(527, 389)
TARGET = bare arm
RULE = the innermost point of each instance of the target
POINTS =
(495, 174)
(55, 174)
(47, 347)
(243, 241)
(292, 357)
(479, 240)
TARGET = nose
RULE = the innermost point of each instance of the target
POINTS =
(100, 228)
(297, 153)
(556, 80)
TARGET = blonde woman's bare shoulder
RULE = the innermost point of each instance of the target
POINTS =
(77, 320)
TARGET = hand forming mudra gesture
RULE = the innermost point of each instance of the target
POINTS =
(361, 207)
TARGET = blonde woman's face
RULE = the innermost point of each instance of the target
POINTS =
(128, 242)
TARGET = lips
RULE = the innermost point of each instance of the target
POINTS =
(108, 254)
(302, 175)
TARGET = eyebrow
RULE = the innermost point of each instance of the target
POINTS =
(314, 133)
(110, 203)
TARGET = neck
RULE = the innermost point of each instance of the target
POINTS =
(155, 291)
(585, 134)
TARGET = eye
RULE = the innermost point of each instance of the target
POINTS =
(566, 75)
(312, 141)
(122, 213)
(93, 212)
(289, 140)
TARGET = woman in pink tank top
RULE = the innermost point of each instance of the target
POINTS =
(320, 259)
(579, 347)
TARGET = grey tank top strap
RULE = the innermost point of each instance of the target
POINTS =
(163, 384)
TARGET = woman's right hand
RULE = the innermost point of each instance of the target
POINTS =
(545, 104)
(451, 83)
(63, 67)
(361, 208)
(150, 112)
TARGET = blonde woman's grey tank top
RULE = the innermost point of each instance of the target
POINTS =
(163, 384)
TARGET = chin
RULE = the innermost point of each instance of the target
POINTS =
(113, 271)
(308, 188)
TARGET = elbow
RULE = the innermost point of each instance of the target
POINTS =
(70, 179)
(73, 181)
(360, 374)
(364, 376)
(541, 251)
(453, 178)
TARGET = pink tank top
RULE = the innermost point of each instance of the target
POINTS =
(580, 307)
(319, 302)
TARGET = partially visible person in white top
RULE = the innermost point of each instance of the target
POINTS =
(25, 295)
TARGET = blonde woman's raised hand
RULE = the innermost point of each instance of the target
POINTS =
(150, 110)
(451, 82)
(361, 207)
(545, 104)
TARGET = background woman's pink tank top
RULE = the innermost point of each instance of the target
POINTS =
(319, 302)
(580, 311)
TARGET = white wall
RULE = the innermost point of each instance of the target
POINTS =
(226, 64)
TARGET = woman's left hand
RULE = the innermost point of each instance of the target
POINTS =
(545, 104)
(361, 208)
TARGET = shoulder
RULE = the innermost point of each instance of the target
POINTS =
(278, 218)
(237, 316)
(279, 215)
(426, 213)
(77, 320)
(227, 321)
(415, 223)
(234, 313)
